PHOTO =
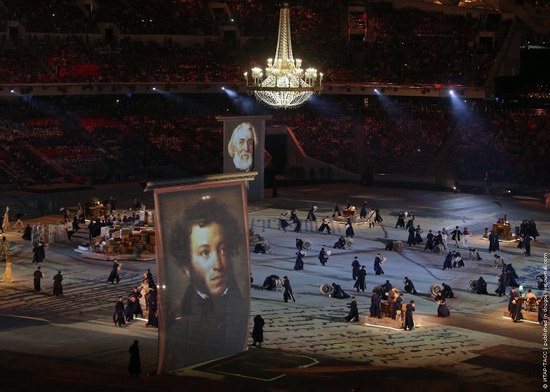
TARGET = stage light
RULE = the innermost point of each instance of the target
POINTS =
(12, 91)
(154, 89)
(223, 88)
(376, 91)
(452, 92)
(454, 188)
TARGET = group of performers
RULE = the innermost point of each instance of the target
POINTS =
(385, 292)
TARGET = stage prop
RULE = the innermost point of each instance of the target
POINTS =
(243, 149)
(203, 269)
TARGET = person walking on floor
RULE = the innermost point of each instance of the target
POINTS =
(57, 285)
(349, 229)
(113, 276)
(39, 253)
(353, 314)
(134, 366)
(118, 316)
(287, 294)
(456, 235)
(355, 267)
(258, 331)
(360, 282)
(378, 260)
(37, 276)
(409, 321)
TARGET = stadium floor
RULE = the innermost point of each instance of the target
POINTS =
(69, 343)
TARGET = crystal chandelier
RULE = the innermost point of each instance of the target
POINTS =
(284, 84)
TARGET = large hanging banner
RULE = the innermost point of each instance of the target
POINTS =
(243, 149)
(204, 272)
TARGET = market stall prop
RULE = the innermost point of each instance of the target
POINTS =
(122, 242)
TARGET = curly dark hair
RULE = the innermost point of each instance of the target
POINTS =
(203, 213)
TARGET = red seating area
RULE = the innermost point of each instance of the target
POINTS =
(70, 59)
(103, 140)
(400, 46)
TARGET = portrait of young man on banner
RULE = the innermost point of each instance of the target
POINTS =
(241, 145)
(204, 273)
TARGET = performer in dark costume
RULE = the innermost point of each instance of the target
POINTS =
(513, 294)
(360, 282)
(412, 234)
(338, 292)
(501, 289)
(299, 264)
(429, 241)
(377, 216)
(134, 366)
(57, 285)
(447, 291)
(152, 305)
(409, 321)
(410, 222)
(113, 277)
(527, 245)
(37, 276)
(353, 314)
(400, 220)
(150, 279)
(409, 286)
(323, 256)
(438, 239)
(386, 288)
(311, 214)
(494, 245)
(118, 316)
(324, 225)
(283, 223)
(355, 266)
(340, 244)
(363, 212)
(511, 275)
(448, 263)
(136, 307)
(375, 309)
(129, 309)
(349, 229)
(270, 283)
(27, 233)
(417, 237)
(378, 265)
(258, 331)
(481, 286)
(260, 247)
(458, 260)
(456, 235)
(294, 219)
(442, 309)
(516, 309)
(299, 244)
(39, 253)
(288, 290)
